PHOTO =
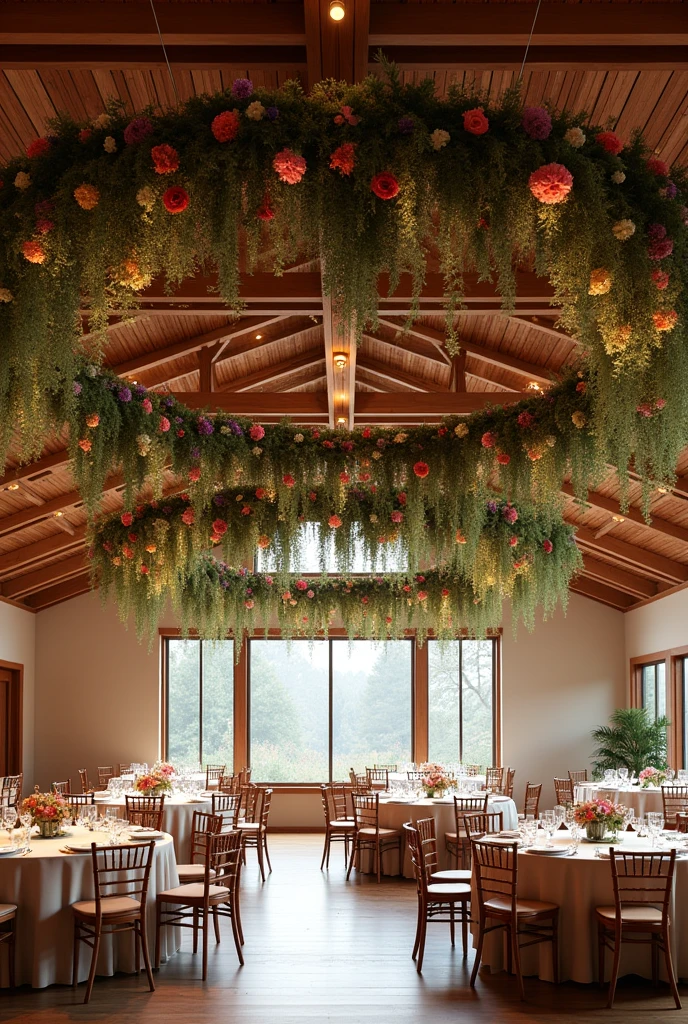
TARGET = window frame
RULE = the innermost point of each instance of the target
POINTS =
(496, 696)
(677, 733)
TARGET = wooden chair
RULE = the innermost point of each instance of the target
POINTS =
(415, 776)
(563, 789)
(473, 769)
(226, 807)
(494, 780)
(124, 769)
(191, 905)
(337, 829)
(10, 790)
(531, 804)
(62, 788)
(428, 834)
(674, 800)
(86, 786)
(229, 784)
(378, 778)
(202, 826)
(509, 783)
(78, 800)
(456, 842)
(145, 810)
(213, 774)
(244, 776)
(642, 892)
(527, 922)
(120, 882)
(254, 828)
(578, 777)
(385, 767)
(682, 822)
(479, 824)
(105, 773)
(368, 835)
(437, 901)
(8, 914)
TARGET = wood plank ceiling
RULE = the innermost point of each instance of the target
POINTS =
(625, 64)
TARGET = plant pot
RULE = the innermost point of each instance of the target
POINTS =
(48, 827)
(155, 791)
(430, 793)
(596, 830)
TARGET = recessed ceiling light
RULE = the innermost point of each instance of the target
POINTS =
(337, 10)
(13, 487)
(258, 337)
(58, 514)
(618, 519)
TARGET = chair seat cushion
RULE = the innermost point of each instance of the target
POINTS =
(343, 823)
(524, 908)
(192, 891)
(249, 826)
(192, 872)
(631, 915)
(384, 832)
(7, 910)
(451, 877)
(111, 906)
(443, 891)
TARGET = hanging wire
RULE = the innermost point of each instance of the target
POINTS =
(162, 43)
(530, 37)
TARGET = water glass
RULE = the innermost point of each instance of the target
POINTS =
(576, 834)
(623, 775)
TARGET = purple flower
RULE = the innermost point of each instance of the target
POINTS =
(195, 453)
(656, 231)
(234, 427)
(273, 113)
(492, 506)
(178, 419)
(167, 510)
(140, 391)
(509, 513)
(205, 426)
(76, 387)
(138, 130)
(124, 394)
(219, 500)
(242, 88)
(669, 191)
(536, 122)
(406, 125)
(169, 402)
(224, 584)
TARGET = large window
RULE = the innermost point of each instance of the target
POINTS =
(461, 701)
(653, 689)
(200, 701)
(317, 709)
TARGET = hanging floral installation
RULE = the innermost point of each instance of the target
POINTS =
(370, 178)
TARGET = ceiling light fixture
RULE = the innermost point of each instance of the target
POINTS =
(337, 10)
(340, 360)
(663, 490)
(534, 386)
(258, 337)
(58, 514)
(341, 420)
(618, 519)
(13, 487)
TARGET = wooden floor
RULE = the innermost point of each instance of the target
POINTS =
(319, 949)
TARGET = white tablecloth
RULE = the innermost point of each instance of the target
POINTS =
(393, 814)
(177, 819)
(578, 885)
(45, 883)
(641, 800)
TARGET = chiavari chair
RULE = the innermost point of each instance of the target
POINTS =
(337, 830)
(579, 777)
(473, 769)
(563, 790)
(254, 828)
(226, 806)
(640, 915)
(478, 824)
(105, 773)
(437, 901)
(494, 780)
(509, 783)
(125, 769)
(527, 922)
(202, 826)
(229, 784)
(191, 905)
(8, 915)
(428, 835)
(245, 776)
(415, 776)
(385, 767)
(368, 835)
(531, 803)
(682, 822)
(86, 786)
(378, 778)
(62, 788)
(78, 800)
(10, 790)
(213, 774)
(456, 842)
(674, 800)
(120, 882)
(146, 811)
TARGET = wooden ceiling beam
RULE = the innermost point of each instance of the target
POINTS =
(339, 340)
(270, 406)
(27, 516)
(621, 579)
(601, 592)
(427, 350)
(540, 58)
(71, 57)
(10, 561)
(414, 407)
(653, 565)
(54, 460)
(633, 515)
(269, 374)
(395, 374)
(59, 592)
(40, 578)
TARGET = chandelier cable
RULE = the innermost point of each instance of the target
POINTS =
(167, 61)
(530, 37)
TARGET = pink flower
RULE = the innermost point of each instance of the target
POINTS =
(163, 425)
(551, 183)
(147, 405)
(536, 123)
(547, 546)
(126, 518)
(343, 159)
(660, 278)
(488, 440)
(301, 585)
(256, 432)
(289, 166)
(658, 167)
(525, 419)
(188, 516)
(397, 517)
(288, 480)
(475, 122)
(194, 474)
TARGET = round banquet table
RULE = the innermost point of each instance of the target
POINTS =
(44, 883)
(641, 800)
(177, 818)
(393, 814)
(578, 885)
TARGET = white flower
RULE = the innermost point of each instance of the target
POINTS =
(143, 443)
(256, 451)
(373, 518)
(439, 138)
(255, 111)
(102, 121)
(91, 370)
(575, 137)
(224, 429)
(23, 180)
(618, 177)
(145, 197)
(109, 145)
(298, 438)
(400, 438)
(6, 295)
(623, 229)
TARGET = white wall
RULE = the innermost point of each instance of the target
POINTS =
(17, 644)
(97, 695)
(657, 626)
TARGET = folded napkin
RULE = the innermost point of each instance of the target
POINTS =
(511, 833)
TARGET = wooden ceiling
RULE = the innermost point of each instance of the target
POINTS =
(626, 64)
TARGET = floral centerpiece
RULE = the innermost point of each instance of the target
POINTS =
(434, 780)
(47, 810)
(153, 783)
(598, 817)
(651, 777)
(164, 768)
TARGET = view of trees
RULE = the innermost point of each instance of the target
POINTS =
(460, 701)
(190, 662)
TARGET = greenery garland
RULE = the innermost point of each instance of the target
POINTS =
(370, 178)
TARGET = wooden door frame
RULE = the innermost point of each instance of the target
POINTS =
(16, 732)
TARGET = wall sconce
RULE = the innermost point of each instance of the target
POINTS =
(337, 10)
(340, 360)
(341, 420)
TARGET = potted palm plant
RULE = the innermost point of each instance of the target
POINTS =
(632, 740)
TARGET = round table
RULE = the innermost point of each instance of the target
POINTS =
(578, 885)
(393, 814)
(177, 818)
(641, 800)
(44, 883)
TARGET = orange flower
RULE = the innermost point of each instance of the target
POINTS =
(665, 321)
(92, 420)
(334, 522)
(87, 196)
(263, 541)
(85, 444)
(33, 252)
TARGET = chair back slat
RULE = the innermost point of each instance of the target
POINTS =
(229, 783)
(202, 825)
(674, 800)
(62, 788)
(418, 858)
(145, 810)
(10, 790)
(482, 823)
(385, 767)
(531, 803)
(366, 810)
(495, 870)
(83, 778)
(473, 769)
(249, 802)
(126, 868)
(377, 777)
(105, 773)
(563, 790)
(642, 879)
(578, 777)
(471, 804)
(509, 783)
(224, 857)
(264, 813)
(226, 806)
(125, 769)
(494, 780)
(213, 773)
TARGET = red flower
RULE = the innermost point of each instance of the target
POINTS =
(551, 183)
(488, 440)
(610, 141)
(366, 432)
(666, 320)
(256, 432)
(225, 126)
(180, 432)
(188, 516)
(385, 185)
(345, 478)
(246, 510)
(194, 474)
(581, 387)
(658, 167)
(475, 122)
(397, 517)
(133, 537)
(260, 493)
(38, 147)
(513, 541)
(301, 585)
(503, 459)
(163, 425)
(126, 518)
(165, 159)
(288, 480)
(660, 278)
(401, 497)
(343, 159)
(219, 527)
(33, 252)
(334, 522)
(144, 570)
(313, 496)
(85, 134)
(421, 469)
(127, 552)
(445, 592)
(547, 546)
(265, 210)
(176, 199)
(44, 227)
(525, 419)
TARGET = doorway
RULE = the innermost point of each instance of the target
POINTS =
(11, 682)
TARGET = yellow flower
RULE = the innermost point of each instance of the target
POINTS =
(400, 438)
(6, 295)
(439, 138)
(623, 229)
(618, 339)
(618, 177)
(87, 196)
(579, 419)
(461, 429)
(298, 438)
(600, 282)
(109, 145)
(102, 121)
(145, 197)
(255, 111)
(22, 180)
(377, 455)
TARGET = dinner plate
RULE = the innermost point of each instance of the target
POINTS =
(76, 848)
(6, 850)
(543, 851)
(441, 800)
(152, 834)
